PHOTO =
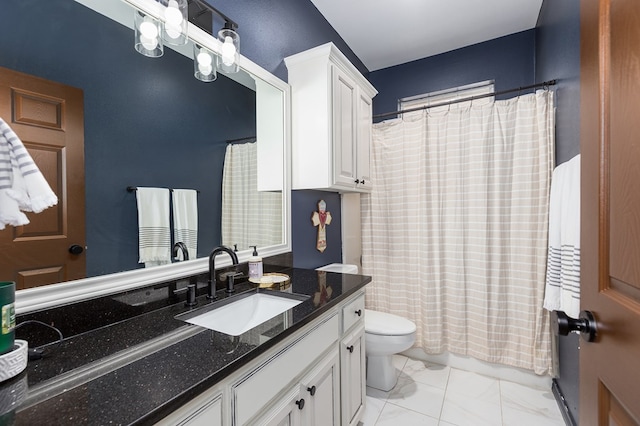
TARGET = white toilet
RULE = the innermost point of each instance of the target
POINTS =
(385, 335)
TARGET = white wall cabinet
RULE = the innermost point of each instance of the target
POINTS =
(331, 121)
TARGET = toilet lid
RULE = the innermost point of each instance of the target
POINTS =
(387, 324)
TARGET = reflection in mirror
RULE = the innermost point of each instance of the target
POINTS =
(147, 122)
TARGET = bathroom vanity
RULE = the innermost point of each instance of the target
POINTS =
(137, 362)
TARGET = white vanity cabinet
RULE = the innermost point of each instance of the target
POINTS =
(254, 391)
(331, 121)
(314, 377)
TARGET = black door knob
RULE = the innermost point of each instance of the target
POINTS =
(350, 349)
(585, 324)
(300, 404)
(359, 312)
(312, 390)
(76, 249)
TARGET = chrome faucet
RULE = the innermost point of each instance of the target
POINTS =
(211, 293)
(182, 247)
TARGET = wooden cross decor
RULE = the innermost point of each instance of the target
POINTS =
(321, 219)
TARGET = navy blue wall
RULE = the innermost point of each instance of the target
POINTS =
(558, 56)
(508, 60)
(148, 122)
(271, 30)
(305, 254)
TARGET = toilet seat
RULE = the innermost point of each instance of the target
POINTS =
(385, 324)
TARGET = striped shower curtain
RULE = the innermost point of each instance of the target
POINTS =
(249, 217)
(455, 228)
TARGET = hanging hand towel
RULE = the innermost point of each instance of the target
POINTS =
(562, 291)
(153, 226)
(28, 186)
(185, 220)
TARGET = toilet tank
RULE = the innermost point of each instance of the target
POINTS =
(342, 268)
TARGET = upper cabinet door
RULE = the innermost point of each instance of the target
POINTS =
(344, 129)
(363, 141)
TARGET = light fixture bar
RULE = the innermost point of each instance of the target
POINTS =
(208, 8)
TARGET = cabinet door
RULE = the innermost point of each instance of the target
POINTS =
(286, 412)
(321, 390)
(344, 129)
(352, 376)
(363, 144)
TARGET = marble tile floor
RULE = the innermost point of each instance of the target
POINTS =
(436, 395)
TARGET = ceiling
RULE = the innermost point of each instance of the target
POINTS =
(384, 33)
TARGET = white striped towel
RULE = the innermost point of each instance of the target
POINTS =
(153, 226)
(23, 188)
(185, 220)
(562, 291)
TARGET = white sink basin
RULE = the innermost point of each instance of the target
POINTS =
(244, 314)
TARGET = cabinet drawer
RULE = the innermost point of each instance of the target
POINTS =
(352, 313)
(256, 389)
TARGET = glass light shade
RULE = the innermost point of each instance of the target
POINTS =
(204, 68)
(228, 59)
(147, 30)
(175, 21)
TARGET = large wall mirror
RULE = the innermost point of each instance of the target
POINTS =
(149, 122)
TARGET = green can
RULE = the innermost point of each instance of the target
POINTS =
(8, 312)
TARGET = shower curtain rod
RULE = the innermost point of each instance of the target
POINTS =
(470, 98)
(242, 140)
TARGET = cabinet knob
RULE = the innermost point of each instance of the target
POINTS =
(359, 312)
(300, 403)
(312, 390)
(358, 181)
(350, 348)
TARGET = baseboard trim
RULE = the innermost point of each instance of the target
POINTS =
(562, 403)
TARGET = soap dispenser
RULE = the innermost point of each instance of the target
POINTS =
(255, 265)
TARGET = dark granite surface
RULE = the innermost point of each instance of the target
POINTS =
(104, 373)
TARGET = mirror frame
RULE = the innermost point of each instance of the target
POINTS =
(52, 295)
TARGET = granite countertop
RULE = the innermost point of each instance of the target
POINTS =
(128, 360)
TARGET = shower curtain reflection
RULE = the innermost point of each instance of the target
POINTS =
(455, 228)
(249, 217)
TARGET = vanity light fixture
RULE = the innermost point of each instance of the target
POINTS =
(228, 59)
(175, 21)
(147, 32)
(203, 64)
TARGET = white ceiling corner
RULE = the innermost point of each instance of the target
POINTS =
(384, 33)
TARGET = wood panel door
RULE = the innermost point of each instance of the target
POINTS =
(610, 235)
(48, 118)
